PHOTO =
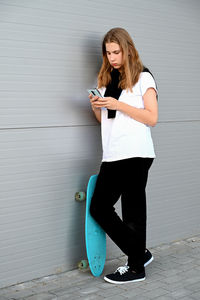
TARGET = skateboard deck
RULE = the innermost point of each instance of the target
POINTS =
(95, 237)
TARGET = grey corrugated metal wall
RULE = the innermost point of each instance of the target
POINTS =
(50, 142)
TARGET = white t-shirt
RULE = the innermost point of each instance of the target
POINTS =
(123, 137)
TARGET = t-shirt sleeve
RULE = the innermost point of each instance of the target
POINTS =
(147, 81)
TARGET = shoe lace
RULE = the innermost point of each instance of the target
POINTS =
(122, 270)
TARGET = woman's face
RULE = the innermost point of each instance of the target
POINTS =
(114, 55)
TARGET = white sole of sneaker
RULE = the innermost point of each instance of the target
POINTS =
(122, 282)
(149, 261)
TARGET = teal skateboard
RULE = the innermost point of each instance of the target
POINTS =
(95, 237)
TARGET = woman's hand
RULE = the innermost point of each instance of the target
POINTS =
(96, 110)
(93, 101)
(108, 102)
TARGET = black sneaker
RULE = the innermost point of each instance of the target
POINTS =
(124, 275)
(148, 258)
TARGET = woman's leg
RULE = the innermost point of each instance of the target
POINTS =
(134, 208)
(107, 192)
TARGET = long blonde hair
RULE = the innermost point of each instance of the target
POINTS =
(132, 65)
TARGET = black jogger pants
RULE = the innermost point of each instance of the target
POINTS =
(126, 178)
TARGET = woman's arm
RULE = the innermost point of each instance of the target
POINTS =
(147, 115)
(97, 111)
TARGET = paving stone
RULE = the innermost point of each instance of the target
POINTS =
(191, 280)
(194, 287)
(91, 297)
(174, 274)
(180, 293)
(111, 292)
(173, 286)
(6, 291)
(164, 297)
(3, 298)
(195, 296)
(156, 293)
(171, 272)
(172, 279)
(102, 285)
(186, 267)
(18, 294)
(148, 286)
(131, 292)
(67, 297)
(88, 290)
(140, 297)
(47, 287)
(15, 289)
(64, 291)
(184, 260)
(155, 276)
(119, 297)
(191, 274)
(86, 282)
(197, 268)
(42, 296)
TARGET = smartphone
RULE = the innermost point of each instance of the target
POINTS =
(95, 92)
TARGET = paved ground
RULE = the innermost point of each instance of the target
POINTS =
(174, 274)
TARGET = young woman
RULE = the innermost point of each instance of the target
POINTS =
(126, 111)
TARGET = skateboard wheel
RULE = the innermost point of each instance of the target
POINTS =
(83, 264)
(80, 196)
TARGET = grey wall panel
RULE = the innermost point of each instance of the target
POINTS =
(42, 226)
(50, 55)
(50, 142)
(173, 188)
